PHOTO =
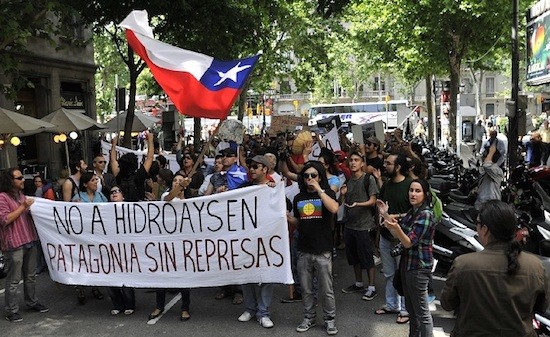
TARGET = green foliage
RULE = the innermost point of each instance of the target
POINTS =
(21, 21)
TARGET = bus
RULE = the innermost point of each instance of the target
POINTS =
(362, 113)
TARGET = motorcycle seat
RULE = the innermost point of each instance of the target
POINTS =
(456, 195)
(463, 213)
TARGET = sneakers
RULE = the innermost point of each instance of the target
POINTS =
(306, 324)
(265, 322)
(370, 294)
(331, 328)
(352, 289)
(14, 317)
(39, 308)
(246, 316)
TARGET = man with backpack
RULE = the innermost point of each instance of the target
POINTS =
(359, 194)
(70, 186)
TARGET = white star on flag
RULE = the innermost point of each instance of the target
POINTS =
(231, 73)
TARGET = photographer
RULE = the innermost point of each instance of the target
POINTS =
(491, 177)
(500, 146)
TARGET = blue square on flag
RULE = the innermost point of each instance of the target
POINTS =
(228, 74)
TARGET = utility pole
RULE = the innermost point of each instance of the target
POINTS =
(513, 115)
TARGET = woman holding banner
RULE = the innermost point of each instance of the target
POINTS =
(179, 184)
(123, 298)
(88, 193)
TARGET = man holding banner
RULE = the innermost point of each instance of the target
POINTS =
(18, 241)
(257, 297)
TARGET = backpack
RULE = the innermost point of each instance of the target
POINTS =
(374, 209)
(58, 190)
(128, 187)
(437, 206)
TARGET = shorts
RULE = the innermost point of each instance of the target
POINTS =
(359, 248)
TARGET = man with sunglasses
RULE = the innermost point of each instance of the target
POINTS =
(106, 180)
(18, 241)
(258, 297)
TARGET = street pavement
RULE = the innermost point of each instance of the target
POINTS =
(209, 317)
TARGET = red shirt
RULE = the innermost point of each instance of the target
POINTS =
(21, 231)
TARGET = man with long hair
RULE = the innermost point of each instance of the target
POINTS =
(18, 241)
(314, 208)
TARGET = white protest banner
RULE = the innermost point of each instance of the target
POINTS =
(331, 141)
(170, 158)
(235, 237)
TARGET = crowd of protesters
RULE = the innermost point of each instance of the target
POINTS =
(371, 199)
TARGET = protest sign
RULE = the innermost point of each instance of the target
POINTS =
(287, 123)
(330, 141)
(235, 237)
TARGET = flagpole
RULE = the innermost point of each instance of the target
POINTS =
(205, 148)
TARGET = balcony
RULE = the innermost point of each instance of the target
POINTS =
(294, 97)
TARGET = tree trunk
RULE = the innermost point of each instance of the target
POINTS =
(429, 106)
(197, 129)
(131, 102)
(454, 63)
(242, 103)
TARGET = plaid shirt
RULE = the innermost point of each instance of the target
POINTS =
(420, 228)
(21, 231)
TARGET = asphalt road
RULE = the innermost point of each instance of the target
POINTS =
(209, 317)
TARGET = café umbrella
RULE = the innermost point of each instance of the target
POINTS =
(17, 123)
(140, 123)
(66, 121)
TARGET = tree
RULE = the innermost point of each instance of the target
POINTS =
(422, 37)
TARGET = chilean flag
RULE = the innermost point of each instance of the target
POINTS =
(199, 85)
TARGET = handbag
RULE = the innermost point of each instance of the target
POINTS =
(397, 282)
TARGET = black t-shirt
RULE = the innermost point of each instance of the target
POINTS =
(314, 222)
(375, 162)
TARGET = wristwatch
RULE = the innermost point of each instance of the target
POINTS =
(321, 191)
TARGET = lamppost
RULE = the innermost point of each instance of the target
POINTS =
(514, 118)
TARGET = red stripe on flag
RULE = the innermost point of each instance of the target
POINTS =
(189, 96)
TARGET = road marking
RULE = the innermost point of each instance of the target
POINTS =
(166, 308)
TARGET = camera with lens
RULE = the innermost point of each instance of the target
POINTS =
(397, 250)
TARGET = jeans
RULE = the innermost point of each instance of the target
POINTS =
(185, 299)
(123, 298)
(415, 286)
(20, 262)
(257, 298)
(294, 262)
(389, 266)
(319, 265)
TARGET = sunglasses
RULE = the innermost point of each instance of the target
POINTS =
(101, 161)
(310, 175)
(368, 143)
(188, 157)
(115, 191)
(19, 178)
(254, 166)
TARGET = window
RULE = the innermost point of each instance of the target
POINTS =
(379, 84)
(489, 109)
(490, 87)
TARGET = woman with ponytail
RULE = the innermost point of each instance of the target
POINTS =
(497, 291)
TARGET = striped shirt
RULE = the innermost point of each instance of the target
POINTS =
(21, 231)
(420, 228)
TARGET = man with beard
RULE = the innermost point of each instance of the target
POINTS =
(395, 193)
